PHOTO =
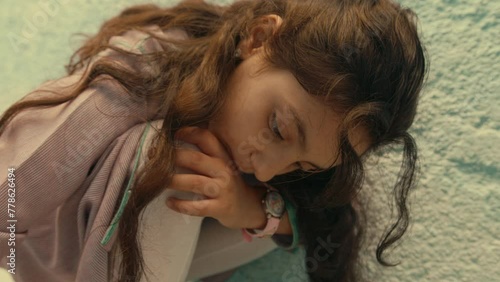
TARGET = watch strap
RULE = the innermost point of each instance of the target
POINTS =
(271, 227)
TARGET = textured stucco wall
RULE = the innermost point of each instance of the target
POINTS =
(455, 235)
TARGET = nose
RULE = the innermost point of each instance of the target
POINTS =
(269, 165)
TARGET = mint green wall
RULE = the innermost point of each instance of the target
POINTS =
(456, 209)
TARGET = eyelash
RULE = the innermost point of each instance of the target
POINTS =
(275, 128)
(276, 131)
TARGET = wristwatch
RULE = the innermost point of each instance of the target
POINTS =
(274, 207)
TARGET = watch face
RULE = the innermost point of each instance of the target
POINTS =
(275, 204)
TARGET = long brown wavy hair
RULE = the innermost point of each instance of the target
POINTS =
(362, 57)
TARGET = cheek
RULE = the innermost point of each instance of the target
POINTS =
(229, 133)
(243, 124)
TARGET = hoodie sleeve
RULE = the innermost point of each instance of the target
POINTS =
(284, 241)
(51, 151)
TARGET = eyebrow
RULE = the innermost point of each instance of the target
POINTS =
(302, 135)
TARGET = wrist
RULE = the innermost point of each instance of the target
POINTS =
(273, 206)
(263, 223)
(259, 220)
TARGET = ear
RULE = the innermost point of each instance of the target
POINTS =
(264, 29)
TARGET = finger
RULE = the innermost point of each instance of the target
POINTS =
(195, 183)
(195, 208)
(199, 162)
(205, 140)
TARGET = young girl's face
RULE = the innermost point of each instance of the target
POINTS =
(270, 125)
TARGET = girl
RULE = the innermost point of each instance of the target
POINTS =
(282, 99)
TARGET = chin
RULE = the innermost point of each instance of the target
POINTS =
(250, 179)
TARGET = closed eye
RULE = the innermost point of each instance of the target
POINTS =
(275, 128)
(315, 169)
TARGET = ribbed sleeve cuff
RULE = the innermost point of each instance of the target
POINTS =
(289, 242)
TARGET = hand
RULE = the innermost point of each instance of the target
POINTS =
(226, 197)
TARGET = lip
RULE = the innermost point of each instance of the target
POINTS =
(230, 153)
